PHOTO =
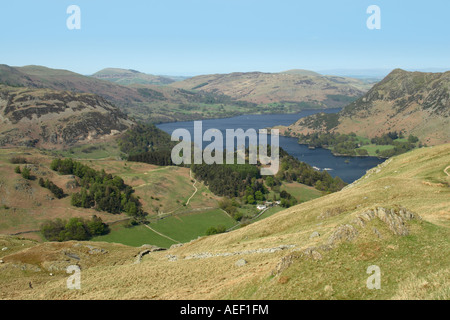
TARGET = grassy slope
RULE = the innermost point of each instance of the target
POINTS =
(413, 266)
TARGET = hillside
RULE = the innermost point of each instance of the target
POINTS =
(127, 77)
(146, 102)
(396, 217)
(54, 119)
(293, 86)
(416, 103)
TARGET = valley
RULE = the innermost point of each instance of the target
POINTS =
(281, 257)
(86, 178)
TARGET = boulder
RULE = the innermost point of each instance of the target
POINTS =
(240, 263)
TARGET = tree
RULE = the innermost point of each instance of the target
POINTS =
(412, 139)
(259, 196)
(270, 182)
(26, 173)
(74, 229)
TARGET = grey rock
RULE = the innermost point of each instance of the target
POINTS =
(72, 255)
(172, 257)
(240, 263)
(343, 233)
(315, 234)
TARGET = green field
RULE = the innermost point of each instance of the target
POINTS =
(182, 228)
(301, 192)
(134, 236)
(372, 148)
(187, 227)
(96, 151)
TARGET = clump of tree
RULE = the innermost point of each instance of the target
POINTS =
(57, 191)
(25, 172)
(158, 157)
(144, 138)
(73, 229)
(224, 179)
(231, 207)
(18, 160)
(254, 191)
(216, 230)
(99, 190)
(291, 169)
(287, 200)
(349, 144)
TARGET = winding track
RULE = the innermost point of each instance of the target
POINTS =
(162, 235)
(195, 181)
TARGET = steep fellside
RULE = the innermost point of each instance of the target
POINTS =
(48, 118)
(414, 102)
(288, 87)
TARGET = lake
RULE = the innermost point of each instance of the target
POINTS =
(348, 169)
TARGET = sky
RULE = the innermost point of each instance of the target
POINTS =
(191, 37)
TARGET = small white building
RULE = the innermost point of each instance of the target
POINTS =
(261, 207)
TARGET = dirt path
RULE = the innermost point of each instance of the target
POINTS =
(187, 202)
(195, 181)
(162, 235)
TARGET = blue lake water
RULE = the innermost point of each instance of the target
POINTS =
(320, 158)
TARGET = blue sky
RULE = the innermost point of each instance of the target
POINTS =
(190, 37)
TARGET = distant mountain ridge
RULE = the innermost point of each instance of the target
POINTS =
(127, 77)
(416, 103)
(292, 86)
(202, 97)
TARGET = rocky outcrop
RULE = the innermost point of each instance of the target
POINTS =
(394, 218)
(343, 233)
